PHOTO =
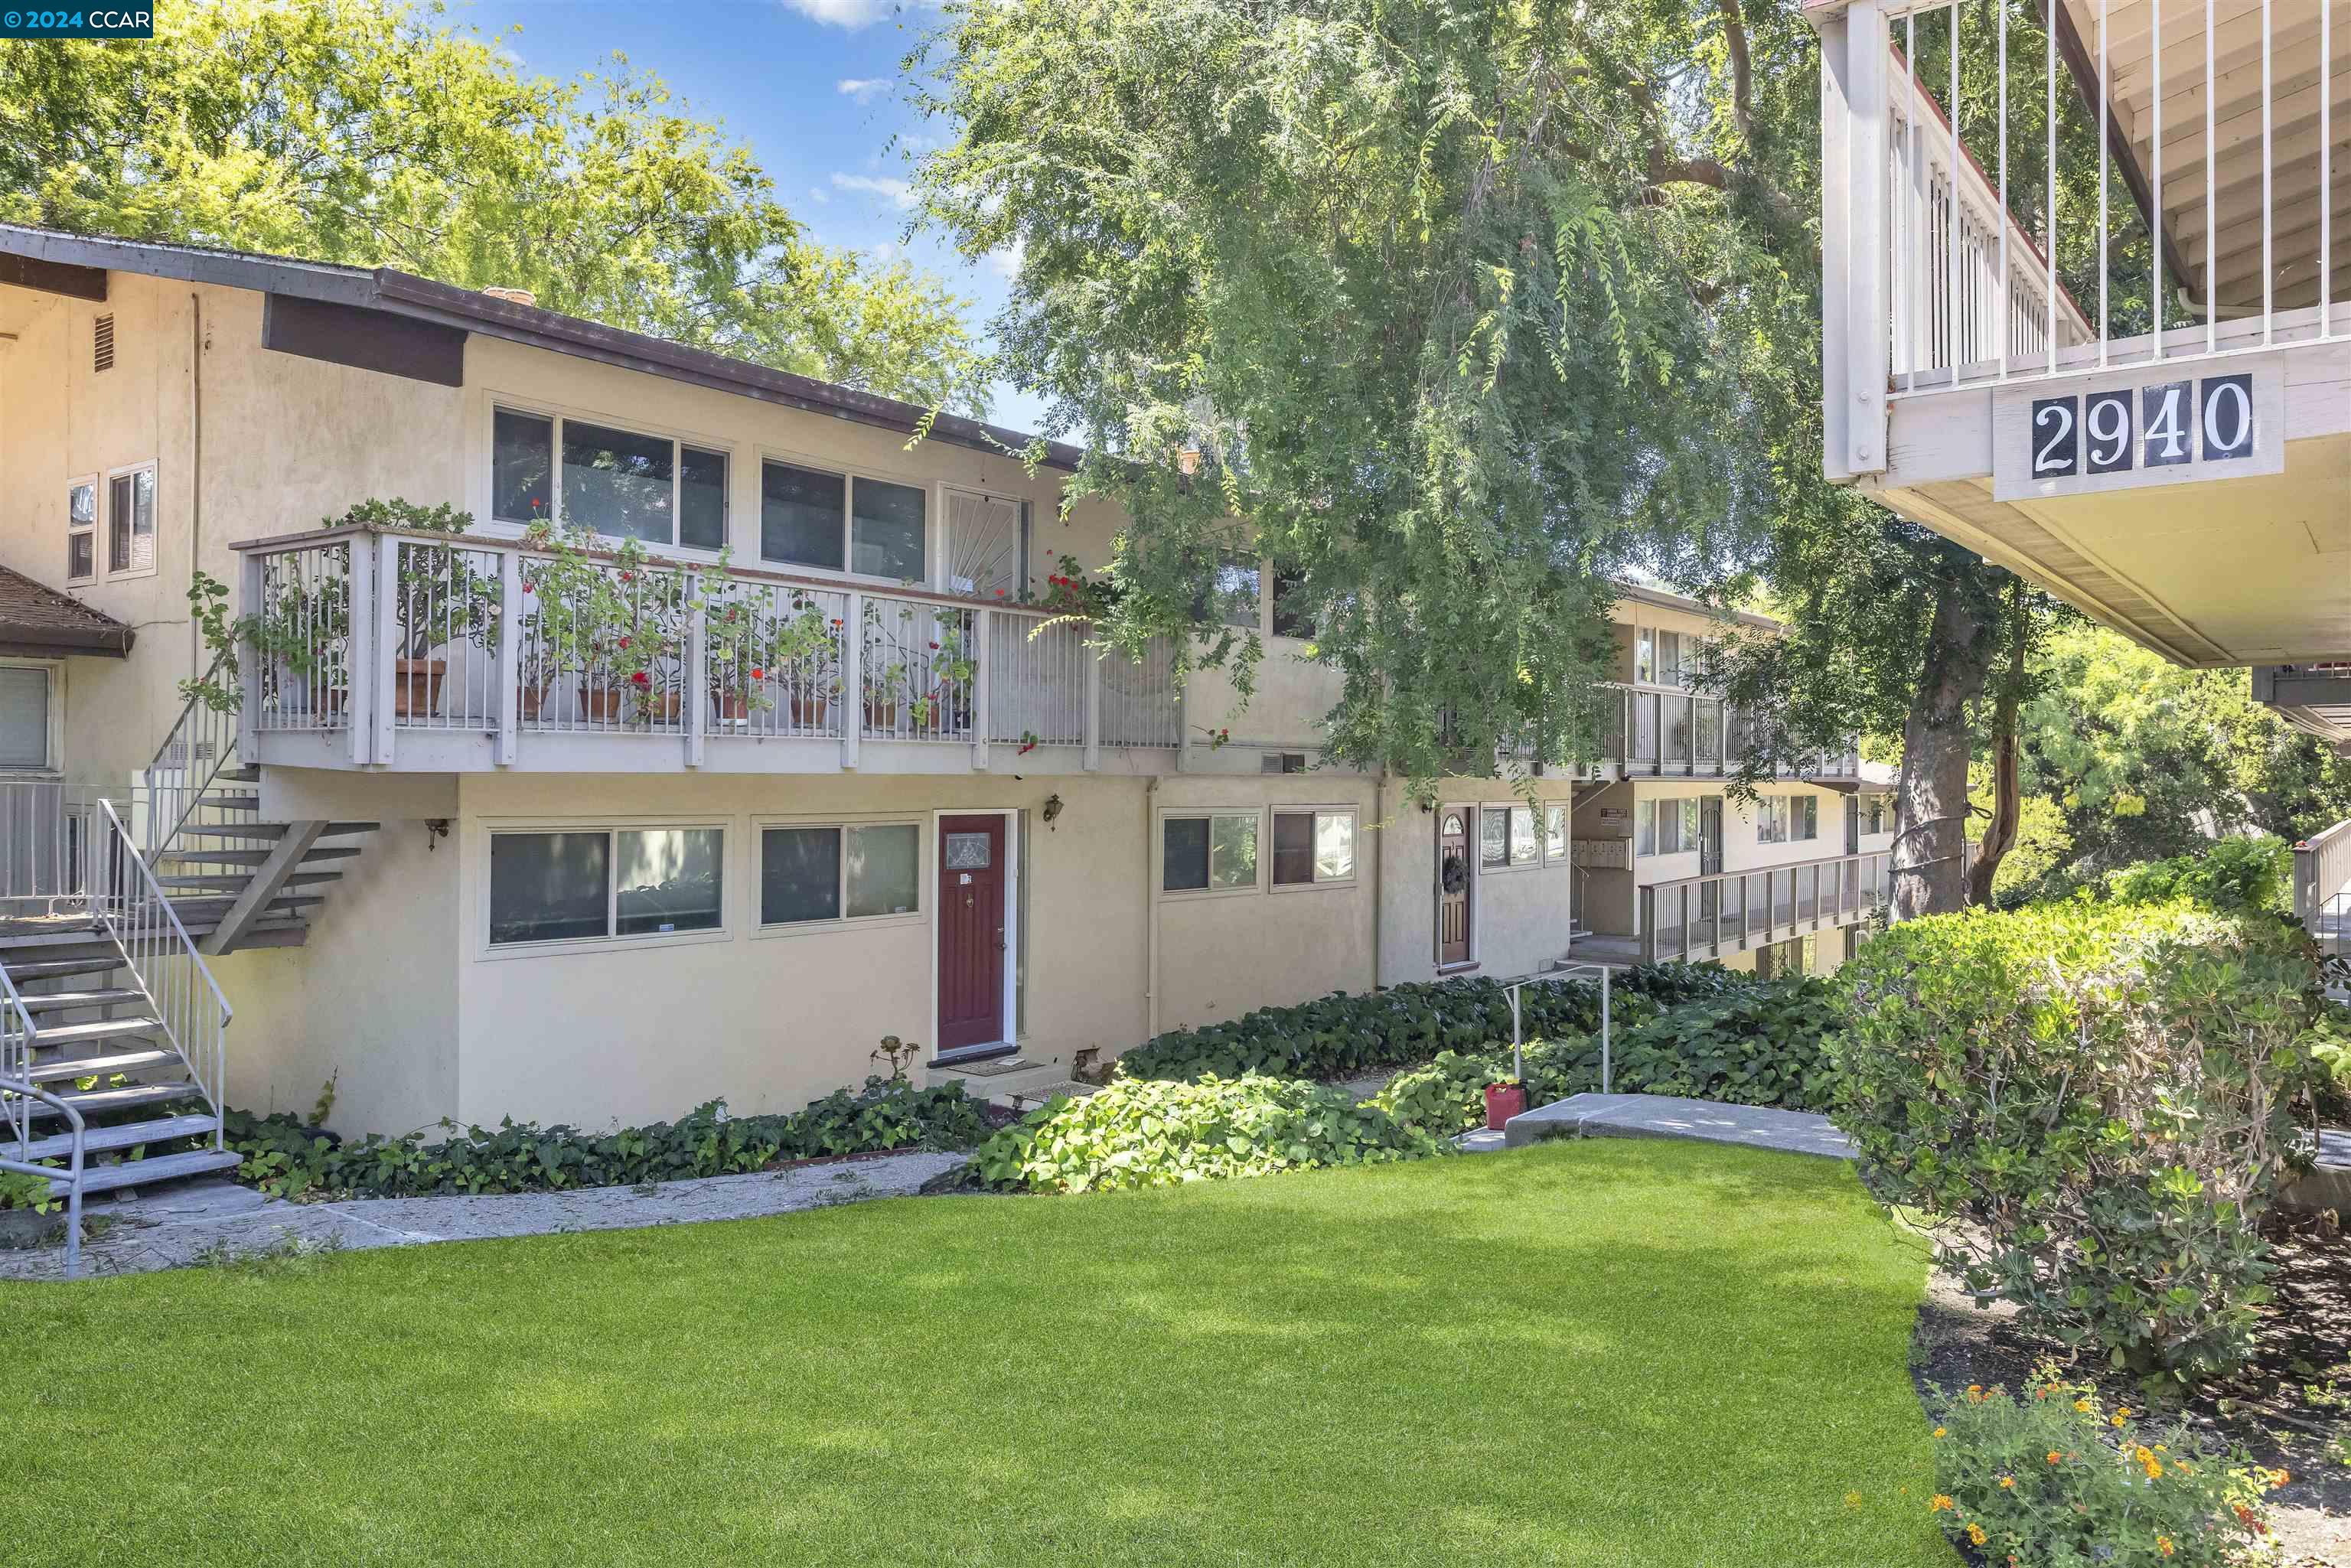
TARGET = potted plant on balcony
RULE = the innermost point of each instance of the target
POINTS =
(750, 652)
(440, 598)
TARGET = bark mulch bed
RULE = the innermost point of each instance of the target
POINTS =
(2292, 1407)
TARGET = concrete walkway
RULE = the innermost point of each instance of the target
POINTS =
(219, 1221)
(1665, 1116)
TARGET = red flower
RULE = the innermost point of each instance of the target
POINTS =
(758, 673)
(624, 641)
(999, 593)
(641, 678)
(530, 588)
(934, 644)
(836, 620)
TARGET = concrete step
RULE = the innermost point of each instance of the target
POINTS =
(91, 1101)
(255, 857)
(149, 1172)
(124, 1135)
(234, 881)
(245, 773)
(65, 1070)
(59, 969)
(269, 829)
(232, 802)
(59, 1001)
(96, 1031)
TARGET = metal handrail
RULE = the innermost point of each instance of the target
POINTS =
(198, 724)
(167, 969)
(2322, 873)
(19, 1037)
(1844, 903)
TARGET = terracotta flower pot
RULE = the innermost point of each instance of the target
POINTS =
(528, 700)
(733, 707)
(622, 705)
(808, 709)
(1504, 1100)
(882, 714)
(416, 687)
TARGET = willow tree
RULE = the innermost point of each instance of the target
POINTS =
(1453, 308)
(374, 133)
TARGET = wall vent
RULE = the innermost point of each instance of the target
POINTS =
(1282, 762)
(102, 347)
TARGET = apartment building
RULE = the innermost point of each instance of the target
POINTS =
(443, 839)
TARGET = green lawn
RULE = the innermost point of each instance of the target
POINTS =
(1598, 1352)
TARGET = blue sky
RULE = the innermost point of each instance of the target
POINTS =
(813, 87)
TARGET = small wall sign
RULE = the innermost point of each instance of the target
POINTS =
(2153, 425)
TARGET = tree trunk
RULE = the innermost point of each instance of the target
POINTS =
(1932, 802)
(2000, 832)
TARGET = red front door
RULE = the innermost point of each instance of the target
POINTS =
(971, 931)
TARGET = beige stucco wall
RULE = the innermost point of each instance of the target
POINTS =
(1519, 916)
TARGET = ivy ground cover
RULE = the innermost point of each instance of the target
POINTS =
(1605, 1352)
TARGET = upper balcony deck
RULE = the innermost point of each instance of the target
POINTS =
(2087, 302)
(424, 654)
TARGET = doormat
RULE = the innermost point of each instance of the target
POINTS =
(996, 1068)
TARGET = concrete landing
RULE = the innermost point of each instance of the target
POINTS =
(1665, 1116)
(2328, 1184)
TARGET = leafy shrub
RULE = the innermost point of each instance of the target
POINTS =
(2102, 1093)
(1343, 1033)
(1761, 1043)
(2052, 1478)
(2236, 874)
(1143, 1132)
(288, 1160)
(22, 1189)
(2330, 1048)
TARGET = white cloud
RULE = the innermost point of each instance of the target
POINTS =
(1006, 263)
(862, 90)
(818, 194)
(850, 13)
(899, 193)
(885, 253)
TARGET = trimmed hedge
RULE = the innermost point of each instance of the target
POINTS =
(1343, 1033)
(1146, 1132)
(287, 1159)
(1762, 1043)
(2103, 1094)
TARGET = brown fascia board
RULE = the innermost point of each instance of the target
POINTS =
(28, 641)
(1665, 600)
(404, 294)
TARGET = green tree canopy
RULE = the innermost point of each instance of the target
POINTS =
(1463, 305)
(377, 135)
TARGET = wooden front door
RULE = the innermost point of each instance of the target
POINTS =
(1453, 885)
(972, 883)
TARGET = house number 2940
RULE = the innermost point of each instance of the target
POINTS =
(2208, 420)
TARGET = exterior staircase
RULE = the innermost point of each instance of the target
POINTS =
(113, 1059)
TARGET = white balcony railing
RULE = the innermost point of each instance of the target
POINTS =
(1702, 918)
(2123, 183)
(370, 639)
(1665, 731)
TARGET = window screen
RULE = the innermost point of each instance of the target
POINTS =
(885, 529)
(522, 467)
(883, 869)
(799, 875)
(23, 717)
(800, 515)
(549, 887)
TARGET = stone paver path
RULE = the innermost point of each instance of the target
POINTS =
(1665, 1116)
(209, 1221)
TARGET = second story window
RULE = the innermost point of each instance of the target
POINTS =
(621, 482)
(81, 530)
(131, 520)
(840, 522)
(1290, 617)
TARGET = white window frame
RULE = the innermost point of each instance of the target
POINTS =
(934, 522)
(54, 766)
(510, 527)
(1566, 816)
(1510, 862)
(1159, 851)
(93, 530)
(730, 881)
(106, 567)
(924, 872)
(1803, 812)
(1318, 883)
(1770, 820)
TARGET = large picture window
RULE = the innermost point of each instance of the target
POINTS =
(623, 484)
(1787, 819)
(808, 516)
(580, 884)
(838, 871)
(1207, 852)
(1310, 847)
(1666, 827)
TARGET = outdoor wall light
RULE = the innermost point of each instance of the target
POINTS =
(1052, 811)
